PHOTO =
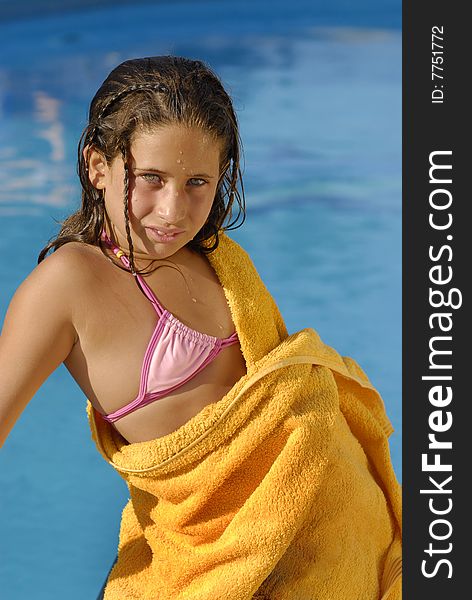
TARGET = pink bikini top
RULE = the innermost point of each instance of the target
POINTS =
(174, 355)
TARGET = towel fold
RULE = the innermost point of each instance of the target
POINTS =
(283, 489)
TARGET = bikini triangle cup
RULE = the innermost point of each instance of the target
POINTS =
(175, 352)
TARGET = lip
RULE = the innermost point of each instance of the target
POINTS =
(164, 234)
(167, 230)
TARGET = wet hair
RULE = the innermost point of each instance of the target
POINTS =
(140, 95)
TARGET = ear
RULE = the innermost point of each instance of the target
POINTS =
(97, 167)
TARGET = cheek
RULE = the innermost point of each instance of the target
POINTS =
(202, 209)
(141, 203)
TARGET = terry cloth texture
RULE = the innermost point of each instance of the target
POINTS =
(282, 490)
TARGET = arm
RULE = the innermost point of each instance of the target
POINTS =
(37, 336)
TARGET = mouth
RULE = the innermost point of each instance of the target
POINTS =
(164, 234)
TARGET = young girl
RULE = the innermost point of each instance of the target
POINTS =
(159, 163)
(247, 452)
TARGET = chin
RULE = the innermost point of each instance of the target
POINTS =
(162, 250)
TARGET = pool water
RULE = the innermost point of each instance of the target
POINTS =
(317, 88)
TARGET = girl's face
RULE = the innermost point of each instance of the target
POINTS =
(173, 177)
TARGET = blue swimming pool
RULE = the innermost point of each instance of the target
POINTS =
(317, 87)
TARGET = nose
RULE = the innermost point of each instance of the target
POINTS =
(171, 207)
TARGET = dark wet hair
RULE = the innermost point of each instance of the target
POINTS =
(145, 93)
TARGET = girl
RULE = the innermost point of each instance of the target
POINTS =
(230, 434)
(159, 166)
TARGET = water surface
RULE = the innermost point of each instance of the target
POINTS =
(317, 91)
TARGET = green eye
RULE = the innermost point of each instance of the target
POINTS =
(154, 178)
(151, 177)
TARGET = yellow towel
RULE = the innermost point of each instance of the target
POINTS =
(282, 490)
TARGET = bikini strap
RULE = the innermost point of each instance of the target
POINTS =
(232, 339)
(144, 286)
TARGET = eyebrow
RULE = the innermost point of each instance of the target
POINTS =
(153, 169)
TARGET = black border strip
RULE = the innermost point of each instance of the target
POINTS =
(436, 231)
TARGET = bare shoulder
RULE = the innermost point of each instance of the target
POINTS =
(73, 256)
(40, 328)
(69, 265)
(58, 283)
